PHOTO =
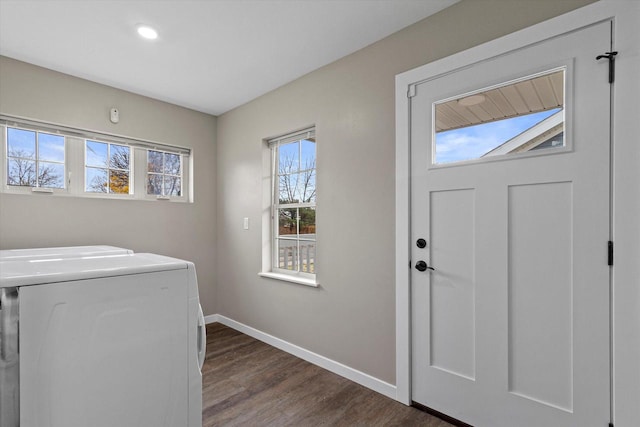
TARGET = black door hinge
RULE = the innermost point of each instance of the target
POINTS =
(611, 56)
(610, 424)
(610, 253)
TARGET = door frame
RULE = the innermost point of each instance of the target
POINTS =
(625, 301)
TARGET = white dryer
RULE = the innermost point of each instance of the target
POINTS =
(115, 340)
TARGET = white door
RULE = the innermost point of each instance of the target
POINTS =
(511, 328)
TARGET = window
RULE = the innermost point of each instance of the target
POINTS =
(35, 159)
(107, 168)
(38, 157)
(293, 205)
(164, 174)
(522, 116)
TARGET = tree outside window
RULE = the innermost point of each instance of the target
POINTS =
(35, 159)
(107, 168)
(164, 173)
(295, 206)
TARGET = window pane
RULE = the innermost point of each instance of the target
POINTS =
(289, 192)
(118, 182)
(172, 164)
(288, 158)
(51, 175)
(154, 184)
(172, 185)
(307, 223)
(21, 172)
(96, 154)
(298, 188)
(21, 143)
(288, 254)
(288, 222)
(119, 157)
(154, 162)
(96, 180)
(307, 257)
(50, 147)
(307, 186)
(514, 118)
(308, 160)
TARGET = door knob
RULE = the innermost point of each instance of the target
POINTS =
(422, 266)
(421, 243)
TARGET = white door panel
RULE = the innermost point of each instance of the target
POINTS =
(512, 326)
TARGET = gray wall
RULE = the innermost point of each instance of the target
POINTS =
(183, 230)
(351, 317)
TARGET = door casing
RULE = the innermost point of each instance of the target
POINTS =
(622, 15)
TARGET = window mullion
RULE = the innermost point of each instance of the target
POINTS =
(298, 266)
(75, 162)
(139, 173)
(37, 162)
(275, 185)
(4, 158)
(275, 191)
(130, 171)
(162, 170)
(108, 169)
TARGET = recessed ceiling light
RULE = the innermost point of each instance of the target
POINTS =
(147, 32)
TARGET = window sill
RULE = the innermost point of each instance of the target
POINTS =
(290, 278)
(20, 190)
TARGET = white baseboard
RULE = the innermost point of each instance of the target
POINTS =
(338, 368)
(212, 318)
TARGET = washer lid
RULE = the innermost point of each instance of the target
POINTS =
(60, 252)
(41, 271)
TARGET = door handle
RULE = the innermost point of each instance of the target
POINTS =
(422, 266)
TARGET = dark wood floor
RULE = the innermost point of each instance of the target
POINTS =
(249, 383)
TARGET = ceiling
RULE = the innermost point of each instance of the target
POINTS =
(210, 56)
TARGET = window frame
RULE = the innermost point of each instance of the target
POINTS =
(181, 175)
(546, 69)
(75, 140)
(4, 168)
(271, 267)
(108, 168)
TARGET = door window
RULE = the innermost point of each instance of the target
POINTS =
(517, 117)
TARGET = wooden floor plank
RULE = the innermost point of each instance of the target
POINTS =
(249, 383)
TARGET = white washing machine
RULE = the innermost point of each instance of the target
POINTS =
(115, 340)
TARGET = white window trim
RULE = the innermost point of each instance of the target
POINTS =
(289, 277)
(269, 218)
(75, 145)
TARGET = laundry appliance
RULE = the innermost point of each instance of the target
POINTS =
(60, 252)
(116, 339)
